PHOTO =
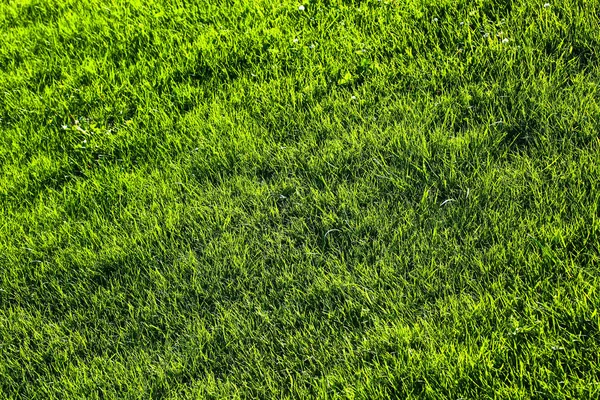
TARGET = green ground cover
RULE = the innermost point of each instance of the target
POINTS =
(246, 199)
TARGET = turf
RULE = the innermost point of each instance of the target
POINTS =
(246, 199)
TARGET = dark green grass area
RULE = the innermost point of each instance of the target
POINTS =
(242, 199)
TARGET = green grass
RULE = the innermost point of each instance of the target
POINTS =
(400, 203)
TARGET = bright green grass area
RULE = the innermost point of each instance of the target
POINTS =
(241, 199)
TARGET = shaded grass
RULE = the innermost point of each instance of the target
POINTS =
(196, 205)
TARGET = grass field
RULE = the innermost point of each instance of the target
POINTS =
(274, 199)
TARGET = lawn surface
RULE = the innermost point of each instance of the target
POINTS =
(247, 199)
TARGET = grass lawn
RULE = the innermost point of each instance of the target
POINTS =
(272, 199)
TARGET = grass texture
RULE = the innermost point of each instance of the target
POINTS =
(272, 199)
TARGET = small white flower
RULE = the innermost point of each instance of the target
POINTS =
(546, 5)
(353, 97)
(505, 40)
(435, 20)
(295, 40)
(65, 127)
(301, 8)
(312, 46)
(462, 23)
(486, 35)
